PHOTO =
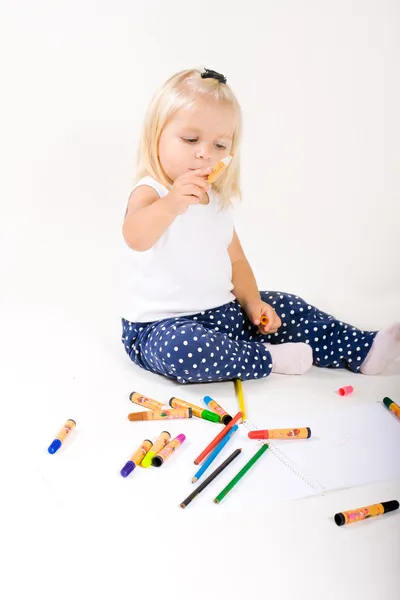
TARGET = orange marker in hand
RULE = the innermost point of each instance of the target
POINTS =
(219, 169)
(264, 320)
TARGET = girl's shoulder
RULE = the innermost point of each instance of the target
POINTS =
(153, 183)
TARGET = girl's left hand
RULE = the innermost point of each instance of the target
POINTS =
(258, 309)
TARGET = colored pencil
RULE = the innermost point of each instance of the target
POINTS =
(239, 392)
(210, 478)
(241, 473)
(214, 454)
(217, 439)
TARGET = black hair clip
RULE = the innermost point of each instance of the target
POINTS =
(209, 74)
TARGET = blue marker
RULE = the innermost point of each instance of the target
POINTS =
(64, 433)
(215, 453)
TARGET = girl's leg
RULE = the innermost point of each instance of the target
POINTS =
(200, 348)
(385, 349)
(334, 343)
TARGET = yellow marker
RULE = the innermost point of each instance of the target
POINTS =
(159, 444)
(239, 392)
(219, 169)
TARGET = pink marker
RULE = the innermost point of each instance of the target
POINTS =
(346, 390)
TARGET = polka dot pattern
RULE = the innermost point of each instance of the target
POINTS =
(221, 344)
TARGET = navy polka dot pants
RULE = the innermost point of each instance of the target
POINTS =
(222, 344)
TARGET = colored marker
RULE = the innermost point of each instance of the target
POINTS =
(301, 433)
(210, 478)
(241, 473)
(136, 458)
(346, 390)
(166, 452)
(197, 411)
(264, 320)
(218, 169)
(159, 444)
(239, 392)
(359, 514)
(217, 439)
(392, 406)
(137, 398)
(214, 454)
(168, 413)
(214, 406)
(61, 436)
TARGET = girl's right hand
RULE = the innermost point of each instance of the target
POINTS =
(188, 189)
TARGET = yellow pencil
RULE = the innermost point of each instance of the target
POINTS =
(239, 392)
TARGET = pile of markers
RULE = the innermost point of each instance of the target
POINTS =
(153, 454)
(177, 409)
(156, 454)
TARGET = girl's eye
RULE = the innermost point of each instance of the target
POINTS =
(190, 140)
(220, 146)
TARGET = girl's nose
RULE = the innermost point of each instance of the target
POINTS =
(203, 153)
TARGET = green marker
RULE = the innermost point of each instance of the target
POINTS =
(392, 406)
(197, 411)
(241, 473)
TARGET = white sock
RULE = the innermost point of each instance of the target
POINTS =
(385, 349)
(290, 358)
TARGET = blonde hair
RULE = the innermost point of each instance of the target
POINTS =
(184, 89)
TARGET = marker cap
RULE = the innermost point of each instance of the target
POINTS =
(54, 446)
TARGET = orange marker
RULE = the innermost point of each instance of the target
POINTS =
(159, 444)
(169, 449)
(280, 434)
(218, 438)
(224, 416)
(197, 411)
(264, 320)
(359, 514)
(170, 413)
(137, 398)
(219, 169)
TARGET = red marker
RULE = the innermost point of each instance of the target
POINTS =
(301, 433)
(346, 390)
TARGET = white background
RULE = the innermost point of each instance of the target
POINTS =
(319, 87)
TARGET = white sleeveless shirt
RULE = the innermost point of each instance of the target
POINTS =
(188, 270)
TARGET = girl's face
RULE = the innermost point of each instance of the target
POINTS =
(196, 137)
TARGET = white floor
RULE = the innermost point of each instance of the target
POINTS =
(74, 528)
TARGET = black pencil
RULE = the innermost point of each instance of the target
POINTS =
(209, 479)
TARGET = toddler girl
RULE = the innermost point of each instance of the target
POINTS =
(192, 306)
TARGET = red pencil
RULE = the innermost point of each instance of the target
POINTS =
(218, 438)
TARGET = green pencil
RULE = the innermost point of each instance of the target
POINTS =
(242, 472)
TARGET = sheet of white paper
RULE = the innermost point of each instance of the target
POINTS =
(349, 447)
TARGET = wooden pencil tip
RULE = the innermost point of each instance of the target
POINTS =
(194, 479)
(182, 505)
(216, 501)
